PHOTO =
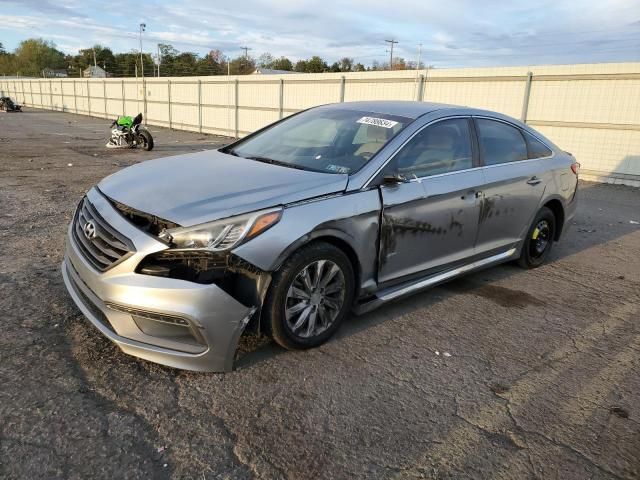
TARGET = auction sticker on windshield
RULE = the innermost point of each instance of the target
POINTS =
(378, 122)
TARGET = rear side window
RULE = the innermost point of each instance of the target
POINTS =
(537, 149)
(500, 143)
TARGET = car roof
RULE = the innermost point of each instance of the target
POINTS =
(402, 108)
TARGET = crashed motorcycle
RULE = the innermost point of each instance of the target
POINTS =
(127, 132)
(7, 105)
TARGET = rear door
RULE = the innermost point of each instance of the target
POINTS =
(514, 184)
(429, 221)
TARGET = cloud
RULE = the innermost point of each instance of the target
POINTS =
(492, 32)
(47, 6)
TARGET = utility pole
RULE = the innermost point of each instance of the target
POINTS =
(246, 55)
(95, 63)
(419, 55)
(142, 27)
(391, 42)
(159, 60)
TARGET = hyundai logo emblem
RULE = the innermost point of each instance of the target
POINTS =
(89, 230)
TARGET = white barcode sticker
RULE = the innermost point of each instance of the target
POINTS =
(378, 122)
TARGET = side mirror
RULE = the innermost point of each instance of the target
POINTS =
(393, 179)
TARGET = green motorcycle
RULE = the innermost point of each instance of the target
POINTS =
(127, 132)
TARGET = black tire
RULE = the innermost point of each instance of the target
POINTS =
(537, 245)
(147, 139)
(279, 296)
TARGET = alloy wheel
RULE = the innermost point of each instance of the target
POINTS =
(315, 298)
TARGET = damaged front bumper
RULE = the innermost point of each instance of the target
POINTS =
(173, 322)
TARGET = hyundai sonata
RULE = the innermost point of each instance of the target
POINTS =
(335, 209)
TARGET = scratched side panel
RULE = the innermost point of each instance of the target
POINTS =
(429, 224)
(352, 218)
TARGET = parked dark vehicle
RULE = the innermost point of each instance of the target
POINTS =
(335, 209)
(8, 105)
(128, 132)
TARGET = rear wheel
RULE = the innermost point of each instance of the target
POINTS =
(310, 296)
(539, 241)
(145, 139)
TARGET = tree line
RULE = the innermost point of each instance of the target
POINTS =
(41, 58)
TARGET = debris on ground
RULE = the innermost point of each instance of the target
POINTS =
(619, 411)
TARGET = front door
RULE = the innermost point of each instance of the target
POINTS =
(429, 220)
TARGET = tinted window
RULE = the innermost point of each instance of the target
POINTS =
(440, 148)
(500, 143)
(328, 140)
(537, 149)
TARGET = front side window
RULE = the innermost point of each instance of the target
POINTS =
(323, 140)
(500, 143)
(439, 148)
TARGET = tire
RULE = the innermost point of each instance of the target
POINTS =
(537, 244)
(147, 139)
(327, 306)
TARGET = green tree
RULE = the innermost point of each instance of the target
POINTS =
(301, 66)
(265, 60)
(104, 58)
(34, 55)
(335, 67)
(317, 65)
(211, 64)
(125, 64)
(282, 63)
(359, 67)
(346, 64)
(242, 65)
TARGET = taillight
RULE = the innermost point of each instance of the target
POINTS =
(575, 167)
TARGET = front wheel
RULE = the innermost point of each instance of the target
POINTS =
(145, 140)
(537, 245)
(309, 296)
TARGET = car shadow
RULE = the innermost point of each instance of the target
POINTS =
(597, 221)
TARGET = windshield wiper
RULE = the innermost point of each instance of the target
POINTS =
(273, 161)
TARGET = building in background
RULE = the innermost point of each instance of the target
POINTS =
(53, 73)
(94, 72)
(268, 71)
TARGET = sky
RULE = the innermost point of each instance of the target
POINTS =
(453, 33)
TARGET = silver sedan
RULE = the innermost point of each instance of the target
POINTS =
(336, 209)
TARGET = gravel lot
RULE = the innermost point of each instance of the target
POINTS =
(539, 379)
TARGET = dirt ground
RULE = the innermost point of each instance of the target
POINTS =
(502, 374)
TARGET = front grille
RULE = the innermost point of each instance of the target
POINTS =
(106, 247)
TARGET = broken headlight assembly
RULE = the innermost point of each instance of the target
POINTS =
(201, 253)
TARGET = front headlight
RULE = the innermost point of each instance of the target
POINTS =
(222, 234)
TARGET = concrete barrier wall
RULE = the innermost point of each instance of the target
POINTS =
(590, 110)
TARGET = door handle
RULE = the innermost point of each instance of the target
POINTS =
(534, 181)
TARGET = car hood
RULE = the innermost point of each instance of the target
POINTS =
(204, 186)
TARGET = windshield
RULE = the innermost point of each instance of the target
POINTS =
(323, 140)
